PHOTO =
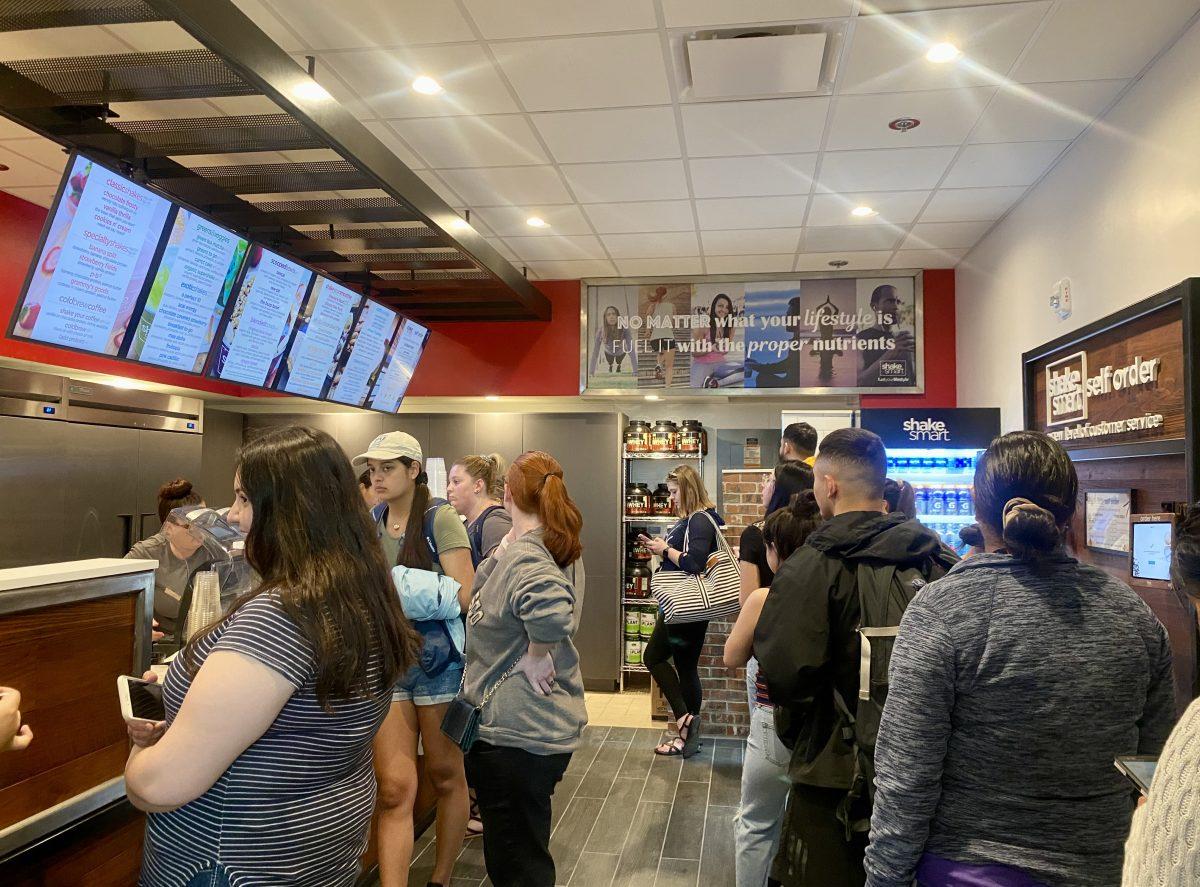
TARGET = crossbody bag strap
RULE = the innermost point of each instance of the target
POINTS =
(487, 697)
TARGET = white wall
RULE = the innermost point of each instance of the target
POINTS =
(1119, 216)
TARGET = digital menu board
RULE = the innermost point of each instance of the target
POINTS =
(398, 367)
(257, 329)
(373, 332)
(93, 261)
(188, 295)
(320, 337)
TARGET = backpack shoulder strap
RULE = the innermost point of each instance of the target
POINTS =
(430, 517)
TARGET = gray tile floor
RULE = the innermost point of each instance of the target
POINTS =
(625, 817)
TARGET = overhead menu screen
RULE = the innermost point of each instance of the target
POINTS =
(373, 332)
(188, 295)
(319, 339)
(257, 329)
(93, 262)
(398, 367)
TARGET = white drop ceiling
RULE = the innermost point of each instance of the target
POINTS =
(584, 113)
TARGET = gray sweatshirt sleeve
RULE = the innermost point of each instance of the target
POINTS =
(914, 735)
(1159, 715)
(543, 601)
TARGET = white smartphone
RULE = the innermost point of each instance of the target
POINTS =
(140, 700)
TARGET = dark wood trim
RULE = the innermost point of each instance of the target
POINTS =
(1191, 338)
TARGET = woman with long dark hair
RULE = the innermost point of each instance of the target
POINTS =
(523, 669)
(1015, 681)
(613, 343)
(672, 654)
(788, 480)
(765, 781)
(261, 773)
(424, 541)
(713, 356)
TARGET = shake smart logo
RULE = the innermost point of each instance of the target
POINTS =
(1066, 391)
(926, 430)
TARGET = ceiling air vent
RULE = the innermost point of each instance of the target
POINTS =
(759, 62)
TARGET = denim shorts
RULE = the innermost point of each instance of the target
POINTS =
(422, 690)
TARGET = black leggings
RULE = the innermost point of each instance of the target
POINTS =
(682, 643)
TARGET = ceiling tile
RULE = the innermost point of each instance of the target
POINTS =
(574, 269)
(10, 129)
(729, 213)
(945, 235)
(946, 115)
(509, 221)
(921, 258)
(893, 207)
(900, 169)
(383, 78)
(692, 13)
(753, 176)
(556, 248)
(173, 109)
(501, 247)
(350, 24)
(1045, 112)
(630, 218)
(750, 241)
(271, 25)
(25, 173)
(970, 204)
(586, 72)
(434, 181)
(503, 19)
(342, 93)
(41, 196)
(245, 159)
(982, 166)
(873, 237)
(659, 267)
(1101, 39)
(779, 126)
(749, 264)
(617, 182)
(472, 141)
(601, 136)
(508, 185)
(855, 261)
(49, 43)
(388, 136)
(154, 36)
(887, 52)
(887, 6)
(47, 153)
(234, 105)
(649, 246)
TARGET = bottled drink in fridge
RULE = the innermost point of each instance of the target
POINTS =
(937, 501)
(921, 500)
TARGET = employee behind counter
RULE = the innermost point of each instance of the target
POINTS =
(178, 551)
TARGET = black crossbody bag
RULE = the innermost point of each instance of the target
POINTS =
(461, 721)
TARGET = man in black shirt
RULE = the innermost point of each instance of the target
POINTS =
(879, 363)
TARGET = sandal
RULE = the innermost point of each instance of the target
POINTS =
(673, 748)
(686, 744)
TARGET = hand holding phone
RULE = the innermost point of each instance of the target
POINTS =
(1138, 769)
(142, 707)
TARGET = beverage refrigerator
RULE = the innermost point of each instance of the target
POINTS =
(936, 451)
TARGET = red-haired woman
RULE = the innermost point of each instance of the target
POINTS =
(528, 599)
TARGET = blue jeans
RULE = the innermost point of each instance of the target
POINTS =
(214, 877)
(765, 787)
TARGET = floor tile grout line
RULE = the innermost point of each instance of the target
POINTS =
(707, 807)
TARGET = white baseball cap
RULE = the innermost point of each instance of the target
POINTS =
(392, 445)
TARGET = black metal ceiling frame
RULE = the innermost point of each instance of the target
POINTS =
(66, 100)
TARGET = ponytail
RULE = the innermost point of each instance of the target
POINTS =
(535, 482)
(489, 469)
(1029, 531)
(415, 551)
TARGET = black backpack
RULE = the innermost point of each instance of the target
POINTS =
(884, 593)
(475, 533)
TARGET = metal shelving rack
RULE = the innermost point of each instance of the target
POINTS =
(631, 473)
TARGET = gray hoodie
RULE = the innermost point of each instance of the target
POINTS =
(521, 595)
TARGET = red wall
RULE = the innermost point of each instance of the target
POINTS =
(462, 359)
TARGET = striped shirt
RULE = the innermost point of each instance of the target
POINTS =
(295, 806)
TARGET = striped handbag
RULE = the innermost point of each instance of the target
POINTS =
(686, 597)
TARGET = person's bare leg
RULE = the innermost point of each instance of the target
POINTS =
(396, 773)
(445, 772)
(669, 368)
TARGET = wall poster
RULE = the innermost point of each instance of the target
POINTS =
(753, 335)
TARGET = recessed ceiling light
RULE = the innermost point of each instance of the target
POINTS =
(651, 397)
(863, 212)
(459, 225)
(311, 90)
(426, 85)
(941, 53)
(537, 222)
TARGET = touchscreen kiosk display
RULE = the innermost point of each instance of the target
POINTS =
(102, 234)
(319, 339)
(1152, 550)
(190, 292)
(369, 342)
(259, 326)
(398, 367)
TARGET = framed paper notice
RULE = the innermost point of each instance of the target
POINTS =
(1107, 520)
